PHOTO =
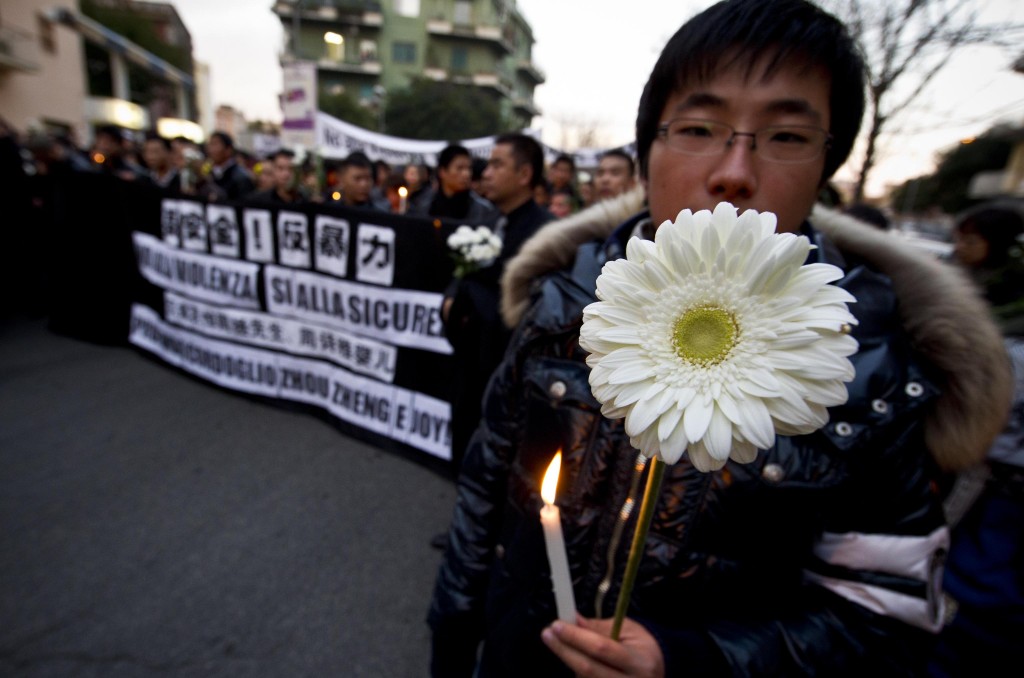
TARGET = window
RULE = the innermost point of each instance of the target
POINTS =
(460, 59)
(403, 52)
(367, 51)
(463, 15)
(407, 7)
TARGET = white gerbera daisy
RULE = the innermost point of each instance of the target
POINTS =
(716, 336)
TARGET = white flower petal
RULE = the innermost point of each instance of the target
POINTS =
(743, 452)
(697, 418)
(718, 438)
(768, 356)
(700, 458)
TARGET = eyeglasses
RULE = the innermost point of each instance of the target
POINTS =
(782, 143)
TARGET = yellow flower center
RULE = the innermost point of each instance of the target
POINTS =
(705, 335)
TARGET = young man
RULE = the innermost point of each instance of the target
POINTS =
(453, 198)
(110, 154)
(157, 154)
(470, 310)
(284, 189)
(615, 174)
(562, 174)
(820, 557)
(230, 181)
(355, 181)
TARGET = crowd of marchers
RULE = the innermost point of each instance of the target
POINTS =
(821, 556)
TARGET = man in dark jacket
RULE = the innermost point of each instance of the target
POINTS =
(470, 310)
(285, 191)
(453, 198)
(228, 179)
(820, 557)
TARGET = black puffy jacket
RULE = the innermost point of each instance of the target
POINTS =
(821, 557)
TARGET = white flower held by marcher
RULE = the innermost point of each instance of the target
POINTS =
(473, 249)
(716, 336)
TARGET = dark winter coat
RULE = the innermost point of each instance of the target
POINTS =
(822, 557)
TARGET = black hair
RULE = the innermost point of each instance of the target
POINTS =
(281, 153)
(525, 151)
(153, 136)
(565, 157)
(224, 138)
(112, 131)
(619, 153)
(479, 165)
(356, 159)
(449, 153)
(742, 32)
(1000, 225)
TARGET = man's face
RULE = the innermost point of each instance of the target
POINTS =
(969, 248)
(413, 177)
(283, 170)
(503, 180)
(613, 177)
(561, 205)
(217, 151)
(560, 174)
(456, 176)
(156, 155)
(107, 145)
(356, 183)
(792, 96)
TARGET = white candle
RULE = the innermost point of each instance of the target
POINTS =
(551, 520)
(403, 194)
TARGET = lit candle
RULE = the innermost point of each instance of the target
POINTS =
(551, 520)
(403, 193)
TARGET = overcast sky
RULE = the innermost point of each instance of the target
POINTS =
(597, 54)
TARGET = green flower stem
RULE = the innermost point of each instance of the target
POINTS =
(636, 550)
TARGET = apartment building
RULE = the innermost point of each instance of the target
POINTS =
(366, 48)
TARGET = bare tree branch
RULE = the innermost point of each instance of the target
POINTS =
(906, 45)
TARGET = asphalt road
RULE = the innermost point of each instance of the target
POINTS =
(152, 524)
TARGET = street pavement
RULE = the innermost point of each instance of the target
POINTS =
(152, 524)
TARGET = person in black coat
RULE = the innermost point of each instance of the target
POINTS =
(470, 308)
(228, 179)
(821, 554)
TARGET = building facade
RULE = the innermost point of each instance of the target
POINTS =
(366, 48)
(63, 72)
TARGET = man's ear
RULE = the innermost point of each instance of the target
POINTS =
(524, 175)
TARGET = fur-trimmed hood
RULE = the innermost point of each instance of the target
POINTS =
(941, 310)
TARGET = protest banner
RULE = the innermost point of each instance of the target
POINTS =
(316, 306)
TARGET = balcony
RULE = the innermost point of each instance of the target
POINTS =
(491, 35)
(526, 68)
(351, 12)
(16, 51)
(349, 66)
(525, 106)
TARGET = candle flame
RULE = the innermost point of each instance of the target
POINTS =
(547, 488)
(403, 191)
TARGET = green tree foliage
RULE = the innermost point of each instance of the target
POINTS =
(343, 106)
(947, 188)
(442, 110)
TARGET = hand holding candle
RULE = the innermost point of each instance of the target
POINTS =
(551, 520)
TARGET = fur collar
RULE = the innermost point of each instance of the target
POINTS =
(941, 311)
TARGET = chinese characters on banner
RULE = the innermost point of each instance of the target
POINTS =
(338, 309)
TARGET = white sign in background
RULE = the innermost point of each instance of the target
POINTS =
(201, 276)
(412, 418)
(359, 354)
(409, 318)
